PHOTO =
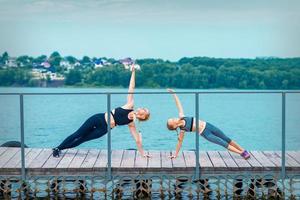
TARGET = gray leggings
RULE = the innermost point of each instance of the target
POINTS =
(215, 135)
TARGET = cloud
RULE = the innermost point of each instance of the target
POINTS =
(139, 11)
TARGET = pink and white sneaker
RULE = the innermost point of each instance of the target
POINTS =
(245, 155)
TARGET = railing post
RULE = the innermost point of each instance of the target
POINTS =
(22, 138)
(108, 139)
(197, 170)
(283, 136)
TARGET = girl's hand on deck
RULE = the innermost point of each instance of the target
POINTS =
(147, 155)
(173, 156)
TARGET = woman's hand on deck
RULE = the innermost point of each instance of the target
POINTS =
(173, 156)
(145, 155)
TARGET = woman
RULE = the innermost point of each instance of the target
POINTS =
(96, 126)
(207, 130)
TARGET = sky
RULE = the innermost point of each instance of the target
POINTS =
(151, 28)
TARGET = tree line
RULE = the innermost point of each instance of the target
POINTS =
(199, 73)
(196, 72)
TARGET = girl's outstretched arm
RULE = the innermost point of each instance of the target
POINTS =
(178, 103)
(138, 139)
(179, 144)
(130, 101)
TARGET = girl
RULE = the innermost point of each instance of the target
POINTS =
(207, 130)
(96, 126)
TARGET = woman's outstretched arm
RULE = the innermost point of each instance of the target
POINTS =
(138, 139)
(130, 101)
(178, 103)
(179, 144)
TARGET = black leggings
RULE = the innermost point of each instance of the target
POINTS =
(94, 127)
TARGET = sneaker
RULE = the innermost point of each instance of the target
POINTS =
(55, 152)
(245, 155)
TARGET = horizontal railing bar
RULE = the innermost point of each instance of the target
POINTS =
(116, 93)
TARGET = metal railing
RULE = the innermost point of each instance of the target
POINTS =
(108, 95)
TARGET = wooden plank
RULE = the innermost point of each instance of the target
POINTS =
(216, 159)
(101, 161)
(155, 160)
(140, 161)
(166, 162)
(2, 150)
(30, 157)
(67, 159)
(254, 162)
(262, 159)
(116, 158)
(13, 162)
(290, 162)
(40, 160)
(295, 155)
(273, 157)
(239, 160)
(230, 163)
(128, 159)
(190, 158)
(178, 162)
(79, 158)
(204, 159)
(90, 158)
(7, 155)
(52, 162)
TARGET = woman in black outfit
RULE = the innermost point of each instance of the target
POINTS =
(96, 126)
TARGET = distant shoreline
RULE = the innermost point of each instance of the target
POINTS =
(192, 73)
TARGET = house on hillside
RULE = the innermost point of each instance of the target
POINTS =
(11, 62)
(54, 76)
(43, 74)
(127, 62)
(37, 73)
(46, 64)
(69, 66)
(77, 64)
(65, 64)
(98, 63)
(106, 63)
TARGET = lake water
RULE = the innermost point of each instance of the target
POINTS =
(253, 120)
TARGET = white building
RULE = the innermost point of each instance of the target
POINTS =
(69, 66)
(77, 64)
(46, 64)
(136, 66)
(65, 63)
(43, 74)
(98, 63)
(11, 62)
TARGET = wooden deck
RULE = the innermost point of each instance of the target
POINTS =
(94, 162)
